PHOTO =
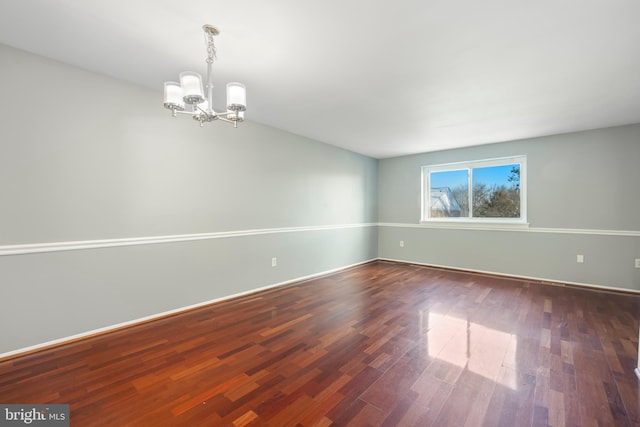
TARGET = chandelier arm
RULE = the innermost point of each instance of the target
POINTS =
(185, 113)
(210, 112)
(188, 113)
(234, 122)
(224, 119)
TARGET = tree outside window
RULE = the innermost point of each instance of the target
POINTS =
(488, 189)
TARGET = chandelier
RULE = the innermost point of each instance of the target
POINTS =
(188, 96)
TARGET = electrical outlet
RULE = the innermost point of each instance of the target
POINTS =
(402, 243)
(274, 261)
(580, 259)
(637, 262)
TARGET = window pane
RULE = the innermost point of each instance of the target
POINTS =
(496, 192)
(449, 194)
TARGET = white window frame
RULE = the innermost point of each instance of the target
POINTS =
(469, 165)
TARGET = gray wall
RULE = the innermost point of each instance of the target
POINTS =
(583, 198)
(86, 157)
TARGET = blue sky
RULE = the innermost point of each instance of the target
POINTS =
(494, 175)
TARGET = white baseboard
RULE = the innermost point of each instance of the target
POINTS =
(288, 282)
(519, 276)
(145, 319)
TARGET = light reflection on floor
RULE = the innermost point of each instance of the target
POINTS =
(477, 348)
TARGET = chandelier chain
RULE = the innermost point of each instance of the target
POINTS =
(211, 48)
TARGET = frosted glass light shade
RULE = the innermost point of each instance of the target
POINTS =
(236, 96)
(173, 96)
(192, 92)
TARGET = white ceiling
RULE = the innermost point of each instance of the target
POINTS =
(379, 78)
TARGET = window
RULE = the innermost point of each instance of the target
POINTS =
(486, 190)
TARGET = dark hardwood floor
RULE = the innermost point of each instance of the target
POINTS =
(381, 344)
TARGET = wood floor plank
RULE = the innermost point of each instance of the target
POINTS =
(382, 344)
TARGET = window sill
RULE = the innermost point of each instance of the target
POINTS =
(475, 225)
